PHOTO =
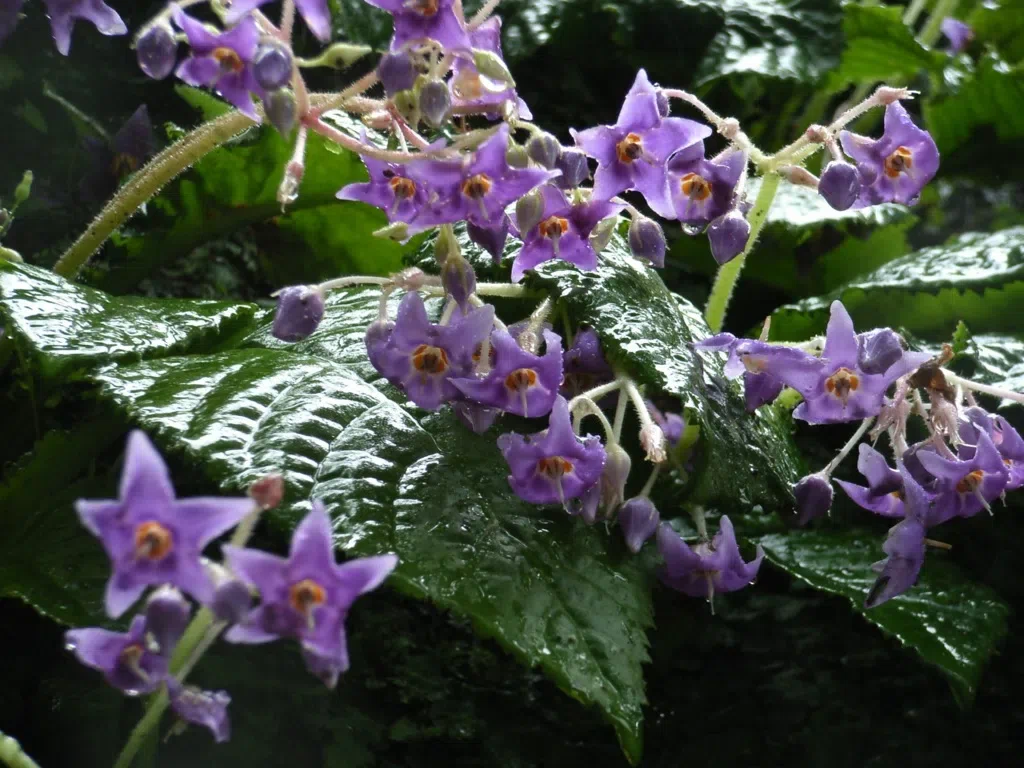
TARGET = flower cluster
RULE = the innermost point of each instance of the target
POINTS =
(155, 540)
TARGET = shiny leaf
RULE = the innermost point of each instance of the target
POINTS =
(994, 359)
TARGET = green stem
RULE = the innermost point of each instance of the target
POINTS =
(145, 184)
(931, 33)
(12, 755)
(728, 274)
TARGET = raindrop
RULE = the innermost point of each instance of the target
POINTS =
(131, 692)
(692, 230)
(70, 647)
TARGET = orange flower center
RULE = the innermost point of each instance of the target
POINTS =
(970, 482)
(306, 595)
(899, 161)
(522, 378)
(695, 187)
(476, 186)
(478, 353)
(428, 359)
(842, 383)
(152, 541)
(753, 364)
(403, 188)
(228, 60)
(123, 164)
(554, 467)
(553, 226)
(630, 148)
(426, 8)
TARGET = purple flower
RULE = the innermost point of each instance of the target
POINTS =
(958, 34)
(306, 595)
(647, 240)
(966, 486)
(206, 708)
(10, 11)
(135, 661)
(1004, 437)
(631, 154)
(222, 62)
(64, 13)
(425, 359)
(472, 89)
(883, 494)
(728, 236)
(638, 519)
(672, 424)
(151, 537)
(300, 308)
(425, 20)
(710, 567)
(898, 572)
(124, 154)
(584, 364)
(813, 495)
(519, 382)
(554, 465)
(878, 350)
(898, 165)
(157, 51)
(491, 239)
(314, 12)
(562, 233)
(843, 391)
(839, 185)
(703, 189)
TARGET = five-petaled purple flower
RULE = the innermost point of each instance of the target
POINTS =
(896, 166)
(555, 465)
(425, 359)
(563, 232)
(883, 494)
(632, 153)
(709, 567)
(306, 595)
(222, 62)
(206, 708)
(519, 382)
(1004, 437)
(470, 88)
(314, 12)
(417, 20)
(151, 537)
(64, 13)
(965, 485)
(703, 189)
(402, 191)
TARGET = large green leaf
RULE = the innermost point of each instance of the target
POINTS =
(995, 359)
(647, 331)
(66, 326)
(1000, 23)
(977, 277)
(951, 621)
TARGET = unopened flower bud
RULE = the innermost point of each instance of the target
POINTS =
(406, 102)
(639, 519)
(491, 239)
(573, 165)
(268, 491)
(878, 350)
(157, 51)
(813, 497)
(398, 231)
(840, 185)
(300, 308)
(529, 211)
(24, 188)
(516, 156)
(446, 246)
(647, 240)
(167, 615)
(435, 103)
(342, 55)
(476, 417)
(396, 72)
(232, 600)
(489, 64)
(377, 336)
(9, 254)
(652, 440)
(459, 280)
(544, 149)
(613, 479)
(272, 66)
(798, 175)
(728, 236)
(602, 233)
(885, 95)
(281, 110)
(411, 278)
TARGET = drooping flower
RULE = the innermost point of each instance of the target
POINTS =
(905, 548)
(813, 495)
(632, 153)
(64, 13)
(300, 308)
(585, 366)
(519, 382)
(222, 62)
(157, 51)
(967, 486)
(709, 567)
(703, 189)
(206, 708)
(555, 465)
(307, 595)
(151, 537)
(135, 661)
(957, 32)
(425, 20)
(314, 12)
(638, 519)
(472, 89)
(563, 232)
(124, 154)
(883, 494)
(425, 359)
(895, 167)
(1004, 437)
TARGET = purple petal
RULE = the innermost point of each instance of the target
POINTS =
(313, 541)
(316, 16)
(840, 339)
(260, 569)
(365, 574)
(206, 518)
(144, 478)
(198, 70)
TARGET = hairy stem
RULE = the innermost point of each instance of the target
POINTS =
(729, 273)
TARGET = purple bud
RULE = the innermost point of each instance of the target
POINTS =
(377, 336)
(167, 615)
(272, 66)
(613, 480)
(813, 497)
(574, 168)
(477, 417)
(647, 240)
(300, 308)
(157, 51)
(459, 280)
(231, 601)
(728, 235)
(839, 185)
(959, 34)
(435, 103)
(281, 110)
(878, 350)
(491, 239)
(544, 149)
(396, 72)
(639, 519)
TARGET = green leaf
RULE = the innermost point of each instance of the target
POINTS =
(67, 327)
(994, 359)
(236, 186)
(419, 485)
(880, 47)
(647, 331)
(986, 94)
(977, 278)
(1002, 26)
(951, 622)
